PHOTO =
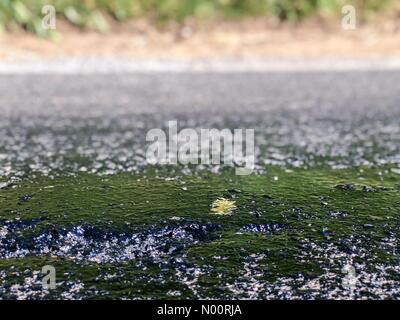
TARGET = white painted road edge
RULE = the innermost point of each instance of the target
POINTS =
(121, 65)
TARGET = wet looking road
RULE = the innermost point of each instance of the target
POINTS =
(319, 219)
(99, 122)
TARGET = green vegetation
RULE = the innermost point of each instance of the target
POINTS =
(153, 198)
(97, 14)
(321, 206)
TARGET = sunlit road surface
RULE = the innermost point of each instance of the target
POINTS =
(318, 219)
(339, 118)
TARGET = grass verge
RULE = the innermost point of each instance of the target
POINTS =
(97, 14)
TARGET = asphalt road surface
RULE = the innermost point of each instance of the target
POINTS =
(301, 230)
(301, 119)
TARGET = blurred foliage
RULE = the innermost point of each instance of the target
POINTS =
(27, 14)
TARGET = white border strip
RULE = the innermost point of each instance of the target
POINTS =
(118, 65)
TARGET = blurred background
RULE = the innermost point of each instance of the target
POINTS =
(198, 28)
